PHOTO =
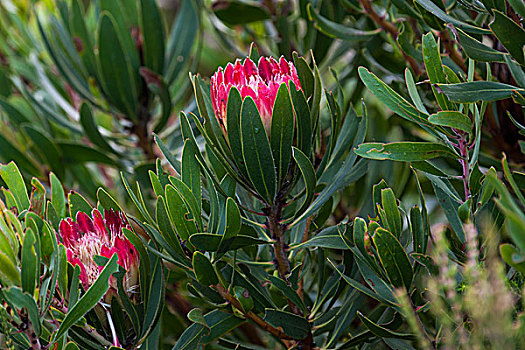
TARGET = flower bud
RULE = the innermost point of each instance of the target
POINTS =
(261, 82)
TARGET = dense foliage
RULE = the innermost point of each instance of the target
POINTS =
(331, 175)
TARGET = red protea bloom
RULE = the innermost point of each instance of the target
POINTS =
(261, 82)
(87, 237)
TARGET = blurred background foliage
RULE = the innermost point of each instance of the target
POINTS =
(92, 89)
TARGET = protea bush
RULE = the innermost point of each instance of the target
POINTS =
(333, 174)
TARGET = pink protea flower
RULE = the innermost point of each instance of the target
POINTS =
(261, 82)
(87, 237)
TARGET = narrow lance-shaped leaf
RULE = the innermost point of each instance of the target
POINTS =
(510, 34)
(392, 99)
(393, 258)
(404, 151)
(204, 270)
(282, 131)
(477, 50)
(434, 69)
(256, 151)
(336, 30)
(93, 295)
(309, 178)
(452, 119)
(475, 91)
(12, 177)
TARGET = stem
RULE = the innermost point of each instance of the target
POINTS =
(33, 338)
(251, 315)
(392, 30)
(113, 331)
(99, 337)
(140, 129)
(277, 231)
(463, 150)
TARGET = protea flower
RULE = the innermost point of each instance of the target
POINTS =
(261, 82)
(87, 237)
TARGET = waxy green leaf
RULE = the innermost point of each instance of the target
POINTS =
(256, 151)
(404, 151)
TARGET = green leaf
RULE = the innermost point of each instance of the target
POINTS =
(306, 76)
(392, 99)
(336, 30)
(393, 258)
(23, 300)
(181, 38)
(282, 131)
(361, 288)
(450, 203)
(29, 262)
(427, 262)
(452, 119)
(302, 117)
(228, 12)
(392, 219)
(191, 175)
(256, 151)
(475, 91)
(155, 299)
(328, 238)
(431, 7)
(233, 126)
(204, 270)
(211, 242)
(166, 228)
(419, 233)
(12, 112)
(512, 256)
(344, 317)
(288, 292)
(105, 199)
(179, 213)
(404, 151)
(381, 331)
(9, 273)
(220, 323)
(309, 178)
(477, 50)
(116, 70)
(189, 199)
(232, 228)
(91, 129)
(510, 34)
(412, 91)
(434, 69)
(359, 235)
(10, 151)
(58, 197)
(45, 147)
(153, 35)
(80, 153)
(518, 6)
(91, 298)
(190, 338)
(174, 162)
(14, 181)
(294, 326)
(78, 203)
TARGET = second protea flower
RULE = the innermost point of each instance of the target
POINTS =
(87, 236)
(261, 82)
